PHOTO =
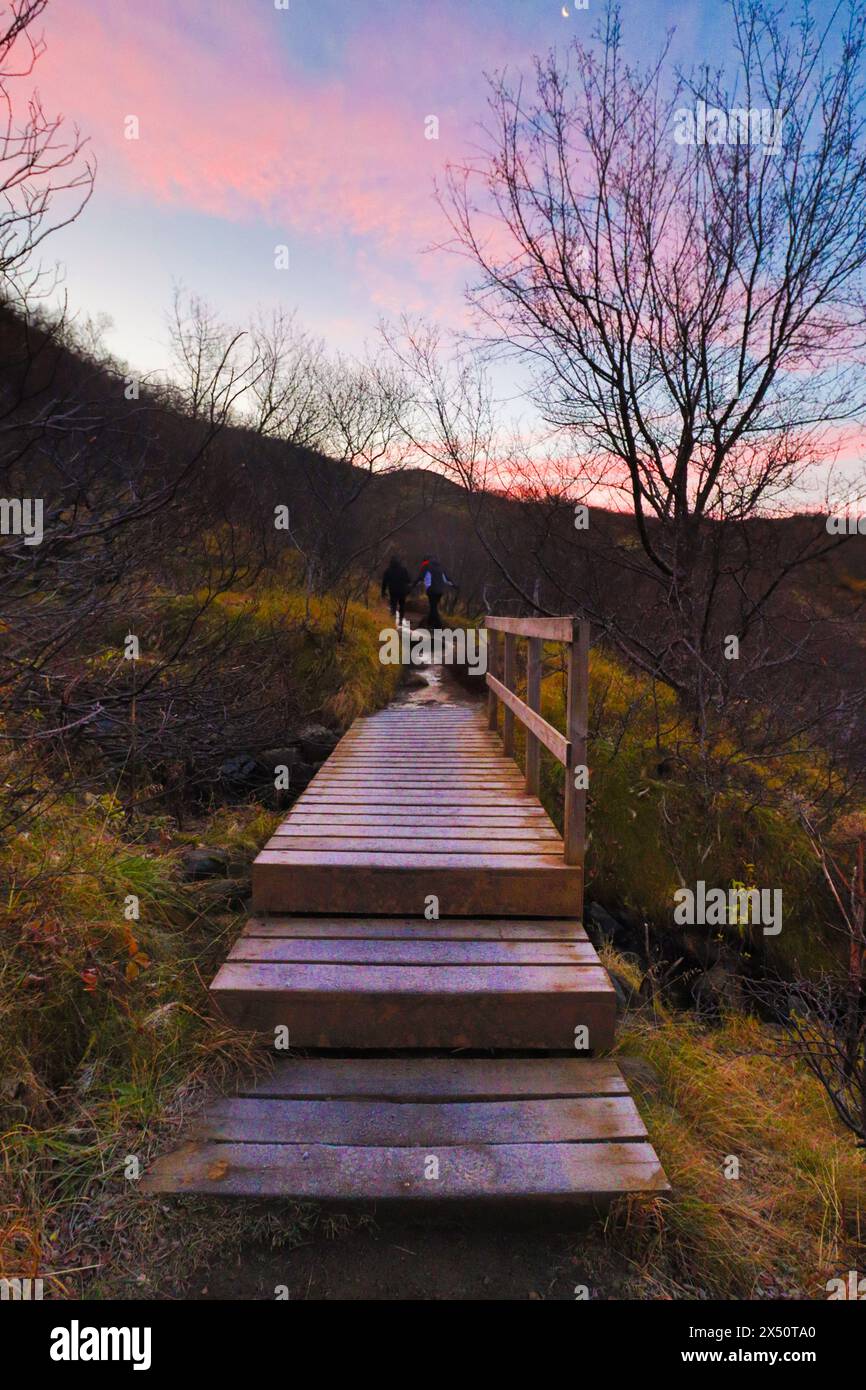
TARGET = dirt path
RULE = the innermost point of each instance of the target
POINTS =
(410, 1259)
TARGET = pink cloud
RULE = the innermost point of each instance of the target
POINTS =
(231, 128)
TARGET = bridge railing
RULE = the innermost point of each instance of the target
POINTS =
(569, 748)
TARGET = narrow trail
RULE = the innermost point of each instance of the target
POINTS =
(440, 1078)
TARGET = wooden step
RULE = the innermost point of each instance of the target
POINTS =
(412, 805)
(548, 1132)
(377, 983)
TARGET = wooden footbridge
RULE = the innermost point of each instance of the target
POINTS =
(418, 900)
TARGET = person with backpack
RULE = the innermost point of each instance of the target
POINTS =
(435, 582)
(395, 582)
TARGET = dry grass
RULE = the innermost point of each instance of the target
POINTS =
(795, 1216)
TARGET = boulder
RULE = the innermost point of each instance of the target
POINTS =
(717, 989)
(302, 774)
(602, 926)
(278, 757)
(222, 893)
(599, 923)
(204, 863)
(240, 772)
(622, 989)
(317, 742)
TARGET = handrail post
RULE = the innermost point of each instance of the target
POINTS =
(509, 679)
(493, 667)
(533, 699)
(577, 714)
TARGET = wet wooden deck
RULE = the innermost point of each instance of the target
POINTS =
(414, 801)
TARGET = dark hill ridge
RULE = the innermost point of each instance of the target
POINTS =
(72, 436)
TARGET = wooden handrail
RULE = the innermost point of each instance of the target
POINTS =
(532, 722)
(548, 629)
(568, 748)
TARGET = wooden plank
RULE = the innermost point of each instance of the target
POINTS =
(410, 1124)
(533, 699)
(430, 743)
(576, 718)
(413, 929)
(548, 629)
(313, 796)
(438, 1078)
(410, 834)
(509, 681)
(429, 953)
(488, 858)
(485, 816)
(467, 892)
(397, 780)
(493, 664)
(437, 817)
(558, 1174)
(423, 762)
(544, 732)
(347, 1006)
(309, 978)
(406, 845)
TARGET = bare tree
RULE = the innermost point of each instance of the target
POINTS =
(40, 164)
(287, 396)
(688, 292)
(214, 364)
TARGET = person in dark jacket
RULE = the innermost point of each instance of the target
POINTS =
(395, 582)
(435, 582)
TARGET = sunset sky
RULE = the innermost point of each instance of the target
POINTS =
(302, 126)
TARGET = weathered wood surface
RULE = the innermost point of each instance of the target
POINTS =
(548, 629)
(416, 802)
(419, 929)
(355, 1005)
(539, 728)
(422, 1130)
(438, 1078)
(500, 1174)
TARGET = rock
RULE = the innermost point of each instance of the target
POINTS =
(718, 988)
(302, 773)
(707, 950)
(272, 758)
(204, 863)
(222, 892)
(317, 742)
(622, 989)
(241, 771)
(600, 920)
(607, 926)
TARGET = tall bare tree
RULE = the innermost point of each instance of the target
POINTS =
(679, 258)
(46, 171)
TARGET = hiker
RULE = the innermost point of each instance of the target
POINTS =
(395, 581)
(435, 582)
